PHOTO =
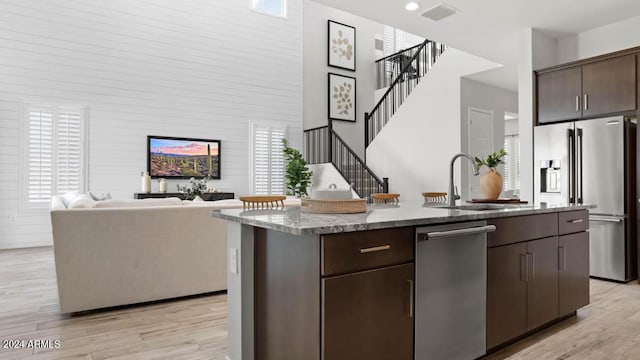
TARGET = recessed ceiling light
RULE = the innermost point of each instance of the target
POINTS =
(412, 6)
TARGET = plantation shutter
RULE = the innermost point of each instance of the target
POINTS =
(507, 168)
(512, 162)
(389, 39)
(68, 152)
(277, 161)
(268, 160)
(261, 160)
(40, 156)
(54, 156)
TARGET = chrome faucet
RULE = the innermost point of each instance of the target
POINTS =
(452, 195)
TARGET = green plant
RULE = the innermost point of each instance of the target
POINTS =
(492, 160)
(298, 175)
(193, 188)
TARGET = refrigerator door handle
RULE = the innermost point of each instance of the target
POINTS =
(579, 167)
(606, 219)
(570, 155)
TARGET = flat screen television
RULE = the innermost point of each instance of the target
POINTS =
(183, 158)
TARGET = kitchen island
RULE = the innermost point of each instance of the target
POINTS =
(316, 286)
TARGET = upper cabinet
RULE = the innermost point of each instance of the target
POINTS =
(559, 95)
(609, 86)
(587, 90)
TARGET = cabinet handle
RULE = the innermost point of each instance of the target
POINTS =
(410, 298)
(575, 221)
(577, 102)
(533, 266)
(524, 273)
(586, 102)
(375, 248)
(561, 260)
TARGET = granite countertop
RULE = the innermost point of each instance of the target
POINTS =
(378, 216)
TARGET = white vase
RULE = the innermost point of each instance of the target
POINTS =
(162, 186)
(146, 182)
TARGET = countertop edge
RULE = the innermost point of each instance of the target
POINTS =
(449, 217)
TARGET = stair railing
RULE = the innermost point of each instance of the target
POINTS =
(323, 145)
(410, 66)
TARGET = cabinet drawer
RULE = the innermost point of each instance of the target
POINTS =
(357, 251)
(522, 228)
(573, 221)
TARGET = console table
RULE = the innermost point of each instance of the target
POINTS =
(210, 196)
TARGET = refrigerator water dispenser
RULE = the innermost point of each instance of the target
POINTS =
(550, 180)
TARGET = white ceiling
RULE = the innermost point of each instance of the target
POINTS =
(489, 28)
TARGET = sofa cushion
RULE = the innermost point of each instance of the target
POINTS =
(57, 203)
(138, 203)
(82, 201)
(96, 197)
(68, 197)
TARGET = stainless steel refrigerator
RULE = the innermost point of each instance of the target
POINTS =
(593, 162)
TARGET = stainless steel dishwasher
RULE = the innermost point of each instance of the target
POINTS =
(450, 292)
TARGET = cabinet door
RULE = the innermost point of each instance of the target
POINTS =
(559, 95)
(369, 315)
(542, 284)
(506, 293)
(609, 86)
(573, 253)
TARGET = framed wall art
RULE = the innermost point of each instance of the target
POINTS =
(342, 46)
(342, 97)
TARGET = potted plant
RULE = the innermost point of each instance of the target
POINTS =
(298, 175)
(194, 188)
(491, 181)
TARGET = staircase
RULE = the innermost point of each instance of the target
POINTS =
(324, 145)
(400, 72)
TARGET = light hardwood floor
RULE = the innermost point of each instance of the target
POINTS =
(196, 328)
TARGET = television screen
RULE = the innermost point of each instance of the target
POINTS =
(183, 158)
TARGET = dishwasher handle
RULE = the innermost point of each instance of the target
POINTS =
(457, 232)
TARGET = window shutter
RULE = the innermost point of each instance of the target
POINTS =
(40, 156)
(389, 40)
(507, 163)
(277, 161)
(68, 152)
(268, 160)
(517, 160)
(261, 160)
(54, 153)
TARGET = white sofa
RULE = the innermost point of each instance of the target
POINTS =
(131, 253)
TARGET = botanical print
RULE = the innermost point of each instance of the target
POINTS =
(341, 46)
(342, 97)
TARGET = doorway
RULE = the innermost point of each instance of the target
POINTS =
(480, 143)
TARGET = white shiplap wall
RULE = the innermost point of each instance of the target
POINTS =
(198, 68)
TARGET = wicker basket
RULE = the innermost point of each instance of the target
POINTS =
(350, 206)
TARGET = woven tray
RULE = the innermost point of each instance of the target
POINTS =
(350, 206)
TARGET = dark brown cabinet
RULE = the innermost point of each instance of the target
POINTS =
(609, 86)
(542, 282)
(334, 296)
(573, 253)
(534, 276)
(586, 90)
(522, 288)
(367, 294)
(506, 293)
(368, 315)
(559, 95)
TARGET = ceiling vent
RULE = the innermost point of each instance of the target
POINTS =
(439, 12)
